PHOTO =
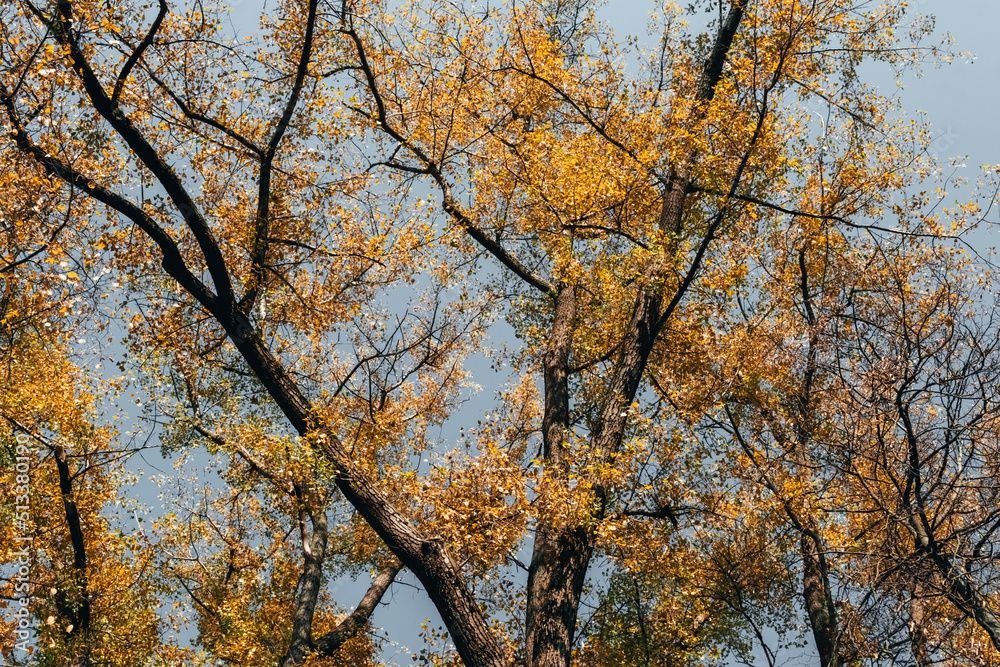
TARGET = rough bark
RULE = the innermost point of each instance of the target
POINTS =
(310, 583)
(818, 599)
(556, 576)
(561, 557)
(555, 377)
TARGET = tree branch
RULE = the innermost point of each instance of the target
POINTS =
(328, 644)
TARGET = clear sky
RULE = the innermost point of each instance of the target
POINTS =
(961, 99)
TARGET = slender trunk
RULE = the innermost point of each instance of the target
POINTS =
(818, 599)
(917, 635)
(310, 582)
(329, 643)
(79, 612)
(641, 617)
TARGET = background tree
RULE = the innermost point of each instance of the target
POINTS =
(100, 595)
(919, 449)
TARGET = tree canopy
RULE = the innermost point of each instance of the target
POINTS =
(746, 362)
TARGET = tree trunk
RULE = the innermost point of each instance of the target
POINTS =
(818, 599)
(310, 582)
(79, 614)
(915, 631)
(555, 583)
(561, 557)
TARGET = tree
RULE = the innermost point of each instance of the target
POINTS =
(920, 453)
(638, 230)
(65, 537)
(852, 327)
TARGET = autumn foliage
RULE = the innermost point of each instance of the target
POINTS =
(743, 399)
